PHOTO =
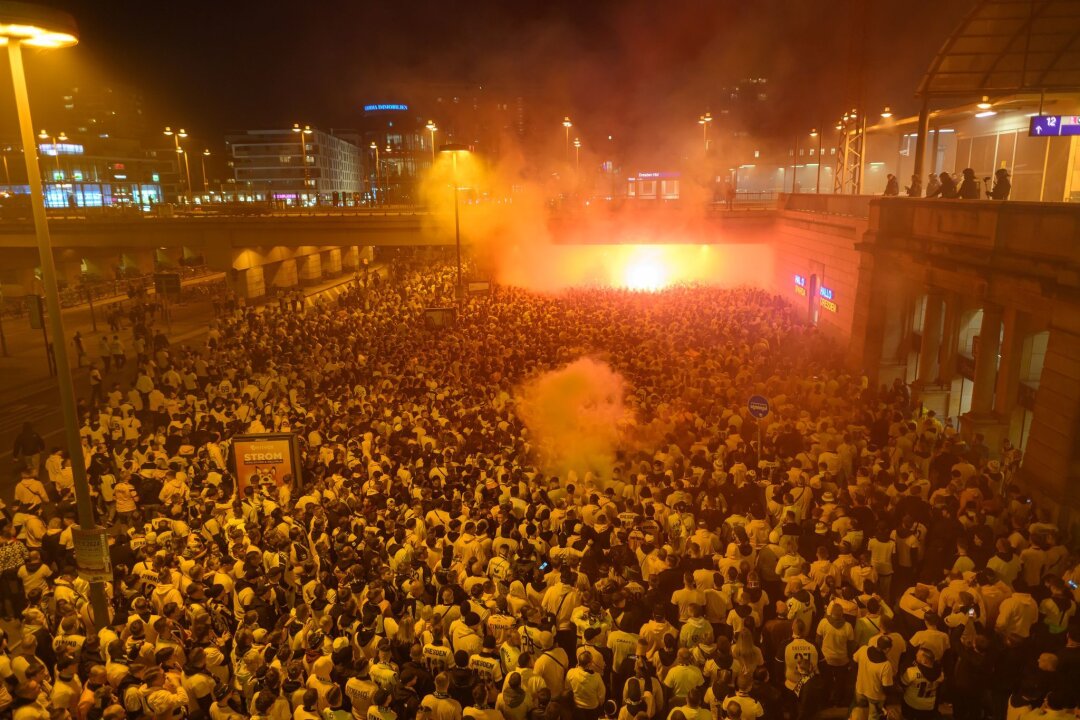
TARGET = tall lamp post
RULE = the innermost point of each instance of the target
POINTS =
(375, 194)
(795, 166)
(39, 27)
(62, 137)
(431, 129)
(704, 121)
(205, 182)
(302, 131)
(817, 185)
(455, 149)
(177, 136)
(566, 126)
(577, 154)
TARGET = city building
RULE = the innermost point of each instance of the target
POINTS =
(268, 165)
(94, 172)
(488, 120)
(106, 111)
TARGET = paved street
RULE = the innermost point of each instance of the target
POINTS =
(29, 394)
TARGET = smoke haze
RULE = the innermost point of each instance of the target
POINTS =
(575, 417)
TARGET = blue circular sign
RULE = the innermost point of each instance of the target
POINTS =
(758, 405)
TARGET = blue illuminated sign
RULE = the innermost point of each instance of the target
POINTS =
(825, 292)
(800, 281)
(1054, 125)
(386, 107)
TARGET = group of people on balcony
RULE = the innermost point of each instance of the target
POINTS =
(943, 185)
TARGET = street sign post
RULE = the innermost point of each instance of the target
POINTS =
(758, 405)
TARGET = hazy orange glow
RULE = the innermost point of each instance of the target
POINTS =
(646, 268)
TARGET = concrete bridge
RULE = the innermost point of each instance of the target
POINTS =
(284, 248)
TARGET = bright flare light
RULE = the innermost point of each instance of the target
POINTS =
(645, 274)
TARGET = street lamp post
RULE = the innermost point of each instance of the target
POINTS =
(815, 134)
(35, 26)
(794, 165)
(431, 129)
(577, 154)
(302, 131)
(454, 150)
(704, 121)
(205, 182)
(53, 140)
(177, 136)
(375, 194)
(566, 126)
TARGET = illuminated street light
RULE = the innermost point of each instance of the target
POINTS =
(375, 195)
(62, 137)
(454, 150)
(566, 126)
(205, 182)
(577, 154)
(431, 129)
(177, 136)
(704, 122)
(35, 26)
(302, 131)
(886, 113)
(985, 104)
(815, 134)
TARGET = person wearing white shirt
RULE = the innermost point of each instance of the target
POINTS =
(798, 649)
(586, 685)
(836, 639)
(931, 638)
(1016, 614)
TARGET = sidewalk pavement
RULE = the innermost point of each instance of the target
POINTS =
(29, 394)
(25, 370)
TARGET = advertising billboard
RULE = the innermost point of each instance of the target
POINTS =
(265, 455)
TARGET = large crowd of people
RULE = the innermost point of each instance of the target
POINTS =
(848, 551)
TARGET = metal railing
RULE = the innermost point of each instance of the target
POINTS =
(104, 290)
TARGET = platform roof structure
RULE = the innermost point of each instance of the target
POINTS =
(1009, 46)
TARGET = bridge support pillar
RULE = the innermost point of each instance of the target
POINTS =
(981, 419)
(310, 268)
(249, 284)
(284, 275)
(141, 260)
(350, 257)
(331, 262)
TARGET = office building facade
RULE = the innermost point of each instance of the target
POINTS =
(269, 165)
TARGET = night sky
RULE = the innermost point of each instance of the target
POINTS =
(632, 67)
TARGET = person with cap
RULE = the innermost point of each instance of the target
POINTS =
(161, 698)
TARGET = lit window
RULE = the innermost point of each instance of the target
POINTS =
(757, 153)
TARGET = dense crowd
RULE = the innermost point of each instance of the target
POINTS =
(427, 564)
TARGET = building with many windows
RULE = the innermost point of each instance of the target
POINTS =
(95, 172)
(268, 165)
(488, 120)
